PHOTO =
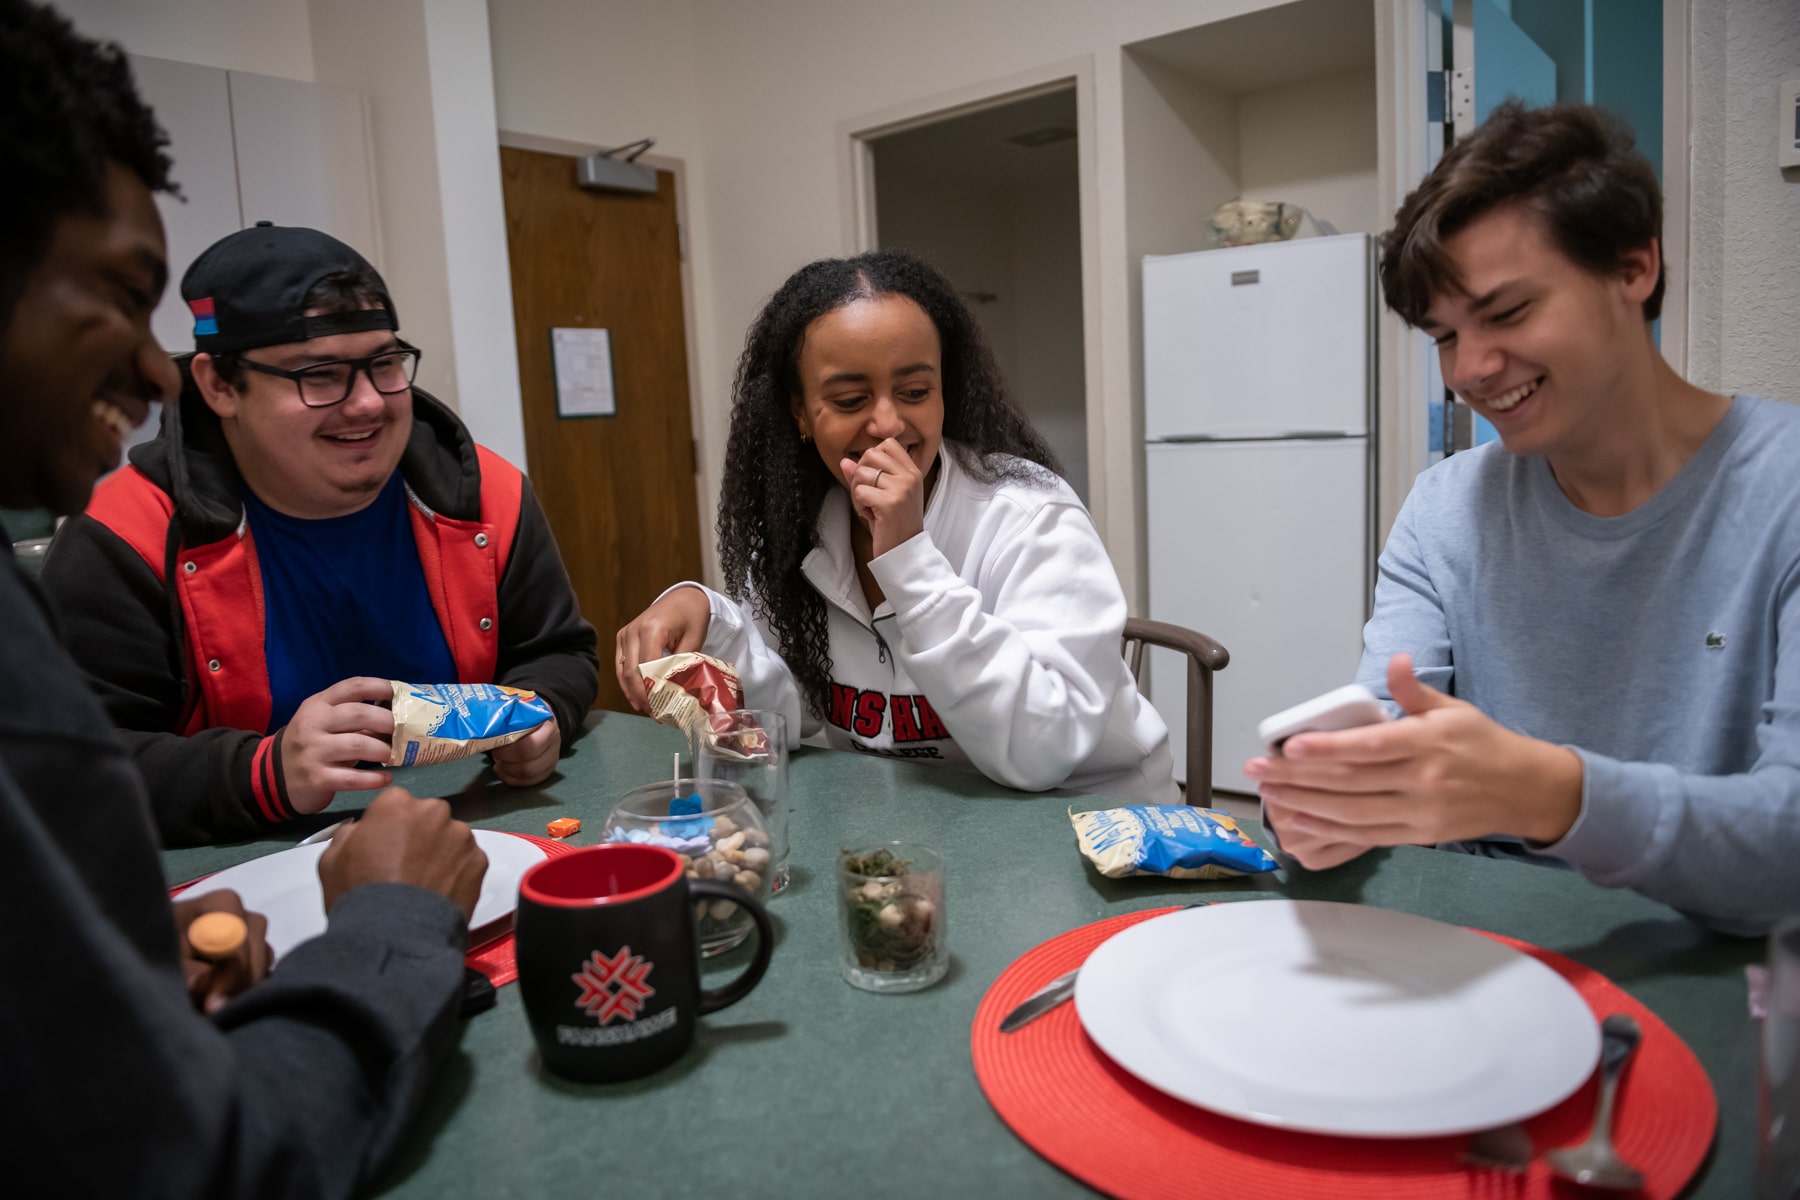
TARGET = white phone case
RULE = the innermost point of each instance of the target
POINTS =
(1343, 708)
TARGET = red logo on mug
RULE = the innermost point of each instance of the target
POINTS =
(614, 987)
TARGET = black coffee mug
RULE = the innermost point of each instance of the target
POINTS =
(609, 960)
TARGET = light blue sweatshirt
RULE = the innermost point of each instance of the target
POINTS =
(1652, 643)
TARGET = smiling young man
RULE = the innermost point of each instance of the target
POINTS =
(297, 1084)
(307, 527)
(1609, 594)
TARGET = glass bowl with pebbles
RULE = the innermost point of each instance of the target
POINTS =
(718, 832)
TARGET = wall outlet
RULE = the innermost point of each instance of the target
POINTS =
(1787, 116)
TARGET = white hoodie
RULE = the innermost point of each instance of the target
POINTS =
(998, 645)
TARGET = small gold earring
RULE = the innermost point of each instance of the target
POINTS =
(806, 439)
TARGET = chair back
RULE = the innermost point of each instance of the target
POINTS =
(1204, 656)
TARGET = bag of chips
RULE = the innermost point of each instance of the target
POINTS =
(1174, 840)
(692, 692)
(438, 722)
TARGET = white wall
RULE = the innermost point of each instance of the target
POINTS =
(773, 88)
(379, 47)
(476, 266)
(1744, 249)
(1313, 144)
(427, 69)
(271, 37)
(964, 234)
(602, 73)
(1048, 374)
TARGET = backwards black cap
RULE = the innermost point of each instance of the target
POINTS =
(249, 289)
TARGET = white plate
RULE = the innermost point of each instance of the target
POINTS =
(1337, 1018)
(284, 887)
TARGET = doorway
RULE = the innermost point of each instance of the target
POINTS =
(619, 490)
(1609, 53)
(992, 198)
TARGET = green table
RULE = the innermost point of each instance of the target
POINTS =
(812, 1088)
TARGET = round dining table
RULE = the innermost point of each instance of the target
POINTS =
(812, 1088)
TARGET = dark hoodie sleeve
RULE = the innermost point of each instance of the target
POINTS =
(300, 1087)
(545, 645)
(115, 616)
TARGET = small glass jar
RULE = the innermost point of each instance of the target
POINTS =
(891, 917)
(719, 833)
(751, 751)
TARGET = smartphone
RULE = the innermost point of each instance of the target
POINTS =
(1344, 708)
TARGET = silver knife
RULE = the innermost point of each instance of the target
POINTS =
(1040, 1002)
(1050, 995)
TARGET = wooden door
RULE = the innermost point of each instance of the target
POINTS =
(619, 490)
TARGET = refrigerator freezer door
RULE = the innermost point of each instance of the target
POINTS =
(1264, 546)
(1258, 341)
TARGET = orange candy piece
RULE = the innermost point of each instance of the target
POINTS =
(562, 827)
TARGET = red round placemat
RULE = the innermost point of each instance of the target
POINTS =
(1077, 1108)
(494, 958)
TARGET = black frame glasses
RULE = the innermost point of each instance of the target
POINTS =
(321, 379)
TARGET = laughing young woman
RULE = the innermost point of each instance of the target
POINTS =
(912, 575)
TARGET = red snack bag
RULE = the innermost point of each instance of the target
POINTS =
(692, 692)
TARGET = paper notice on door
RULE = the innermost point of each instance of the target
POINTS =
(584, 378)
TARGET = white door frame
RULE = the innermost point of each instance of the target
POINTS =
(857, 182)
(1678, 17)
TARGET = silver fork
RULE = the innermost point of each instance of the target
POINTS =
(1502, 1148)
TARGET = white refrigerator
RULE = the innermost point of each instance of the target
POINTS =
(1259, 368)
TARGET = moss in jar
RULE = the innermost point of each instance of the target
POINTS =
(892, 927)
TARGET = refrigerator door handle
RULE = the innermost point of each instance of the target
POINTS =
(1296, 435)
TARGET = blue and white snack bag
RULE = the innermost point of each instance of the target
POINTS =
(437, 722)
(1172, 840)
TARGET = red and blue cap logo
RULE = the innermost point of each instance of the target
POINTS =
(204, 320)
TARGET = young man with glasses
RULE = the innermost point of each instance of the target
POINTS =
(307, 527)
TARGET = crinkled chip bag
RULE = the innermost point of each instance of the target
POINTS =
(436, 722)
(1177, 841)
(692, 692)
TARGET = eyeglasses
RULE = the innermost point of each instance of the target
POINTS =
(322, 385)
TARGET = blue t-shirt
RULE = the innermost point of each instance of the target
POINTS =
(1663, 645)
(344, 596)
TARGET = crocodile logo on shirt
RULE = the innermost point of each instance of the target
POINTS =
(1715, 641)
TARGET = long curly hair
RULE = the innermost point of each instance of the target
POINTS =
(775, 484)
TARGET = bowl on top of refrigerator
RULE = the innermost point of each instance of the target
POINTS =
(1248, 222)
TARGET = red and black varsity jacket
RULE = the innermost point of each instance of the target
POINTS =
(160, 596)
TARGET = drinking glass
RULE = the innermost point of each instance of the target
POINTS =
(1778, 1160)
(891, 917)
(751, 751)
(719, 834)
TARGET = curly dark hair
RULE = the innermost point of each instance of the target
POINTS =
(67, 108)
(775, 484)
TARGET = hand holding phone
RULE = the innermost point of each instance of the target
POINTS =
(1343, 708)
